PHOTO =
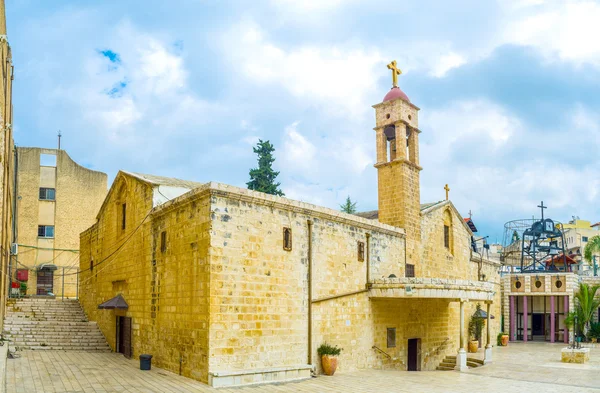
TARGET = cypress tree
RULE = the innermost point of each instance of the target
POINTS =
(348, 206)
(263, 178)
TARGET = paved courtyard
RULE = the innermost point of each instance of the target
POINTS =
(529, 367)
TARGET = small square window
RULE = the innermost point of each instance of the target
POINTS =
(287, 239)
(410, 270)
(361, 251)
(584, 238)
(47, 159)
(45, 231)
(47, 194)
(163, 241)
(391, 337)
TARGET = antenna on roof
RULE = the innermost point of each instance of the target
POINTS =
(59, 136)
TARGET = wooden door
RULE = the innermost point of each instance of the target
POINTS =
(538, 324)
(45, 282)
(413, 354)
(124, 336)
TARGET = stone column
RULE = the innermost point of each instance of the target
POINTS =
(381, 146)
(552, 321)
(413, 146)
(488, 348)
(525, 319)
(400, 141)
(461, 357)
(564, 316)
(513, 319)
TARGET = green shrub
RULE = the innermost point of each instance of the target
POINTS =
(326, 349)
(594, 330)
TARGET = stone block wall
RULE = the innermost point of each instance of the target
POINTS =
(166, 287)
(224, 296)
(436, 260)
(259, 290)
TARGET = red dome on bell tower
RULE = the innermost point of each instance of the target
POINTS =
(394, 93)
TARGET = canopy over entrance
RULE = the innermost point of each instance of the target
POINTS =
(482, 314)
(116, 302)
(47, 266)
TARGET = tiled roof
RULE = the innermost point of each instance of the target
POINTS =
(374, 214)
(165, 181)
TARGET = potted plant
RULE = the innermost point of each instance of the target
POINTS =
(502, 339)
(475, 329)
(329, 358)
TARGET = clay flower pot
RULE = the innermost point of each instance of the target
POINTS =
(329, 364)
(473, 346)
(504, 339)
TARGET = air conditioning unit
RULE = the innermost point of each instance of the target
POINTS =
(14, 249)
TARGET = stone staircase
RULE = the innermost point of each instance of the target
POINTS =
(449, 363)
(51, 324)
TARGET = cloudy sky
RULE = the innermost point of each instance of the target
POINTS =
(508, 91)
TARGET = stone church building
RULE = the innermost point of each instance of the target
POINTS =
(232, 287)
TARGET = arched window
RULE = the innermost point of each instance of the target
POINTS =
(448, 232)
(287, 239)
(121, 207)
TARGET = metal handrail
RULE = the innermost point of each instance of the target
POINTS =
(437, 350)
(380, 350)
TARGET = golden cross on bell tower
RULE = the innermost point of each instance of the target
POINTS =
(447, 191)
(395, 72)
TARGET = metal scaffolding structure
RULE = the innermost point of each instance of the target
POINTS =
(533, 244)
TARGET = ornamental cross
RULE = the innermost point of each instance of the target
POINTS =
(447, 191)
(395, 72)
(542, 207)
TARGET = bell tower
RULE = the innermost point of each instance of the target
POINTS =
(397, 136)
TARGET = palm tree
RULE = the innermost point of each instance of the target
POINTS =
(591, 248)
(587, 303)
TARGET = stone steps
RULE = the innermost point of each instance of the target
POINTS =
(50, 324)
(103, 348)
(449, 362)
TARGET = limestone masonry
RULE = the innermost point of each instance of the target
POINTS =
(234, 287)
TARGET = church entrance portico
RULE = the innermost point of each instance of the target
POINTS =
(437, 327)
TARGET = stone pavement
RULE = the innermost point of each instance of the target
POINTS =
(519, 367)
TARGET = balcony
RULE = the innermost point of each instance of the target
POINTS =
(432, 288)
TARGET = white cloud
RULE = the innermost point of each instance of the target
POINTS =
(153, 100)
(159, 71)
(340, 77)
(462, 121)
(561, 30)
(501, 169)
(298, 152)
(446, 63)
